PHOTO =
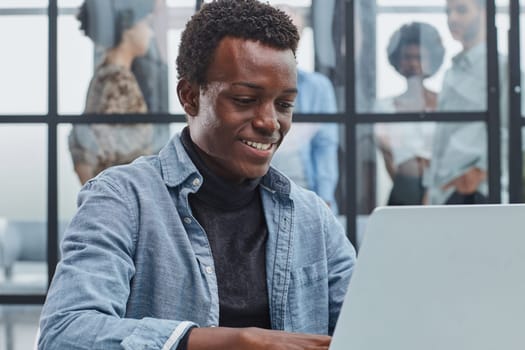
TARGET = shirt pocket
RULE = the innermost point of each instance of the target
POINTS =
(308, 299)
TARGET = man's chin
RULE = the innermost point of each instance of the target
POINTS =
(260, 171)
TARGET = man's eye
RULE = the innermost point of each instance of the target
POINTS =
(243, 100)
(285, 105)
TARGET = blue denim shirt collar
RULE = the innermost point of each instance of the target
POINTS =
(175, 163)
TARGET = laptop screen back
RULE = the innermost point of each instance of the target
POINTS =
(438, 277)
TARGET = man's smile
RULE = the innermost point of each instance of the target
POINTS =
(258, 145)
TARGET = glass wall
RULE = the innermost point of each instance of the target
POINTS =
(24, 67)
(18, 326)
(23, 209)
(430, 102)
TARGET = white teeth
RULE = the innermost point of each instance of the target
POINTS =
(259, 146)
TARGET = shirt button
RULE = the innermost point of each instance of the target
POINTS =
(187, 220)
(209, 270)
(196, 181)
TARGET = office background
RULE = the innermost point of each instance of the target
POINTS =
(47, 63)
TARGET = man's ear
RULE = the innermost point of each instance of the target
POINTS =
(188, 95)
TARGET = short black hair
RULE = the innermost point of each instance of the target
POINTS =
(421, 34)
(244, 19)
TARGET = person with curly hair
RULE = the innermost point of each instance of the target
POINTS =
(205, 245)
(416, 52)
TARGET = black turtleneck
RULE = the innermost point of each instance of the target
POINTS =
(233, 219)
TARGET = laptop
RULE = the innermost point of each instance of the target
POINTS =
(438, 277)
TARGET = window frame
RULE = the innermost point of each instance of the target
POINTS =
(349, 119)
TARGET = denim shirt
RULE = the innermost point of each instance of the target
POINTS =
(137, 270)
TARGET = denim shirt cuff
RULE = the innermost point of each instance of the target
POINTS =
(157, 334)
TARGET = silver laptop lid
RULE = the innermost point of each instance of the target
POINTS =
(438, 277)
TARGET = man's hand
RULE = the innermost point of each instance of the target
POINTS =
(221, 338)
(468, 182)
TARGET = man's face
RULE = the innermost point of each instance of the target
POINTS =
(246, 108)
(465, 19)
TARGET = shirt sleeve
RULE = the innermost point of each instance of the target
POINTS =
(341, 261)
(466, 149)
(86, 303)
(183, 344)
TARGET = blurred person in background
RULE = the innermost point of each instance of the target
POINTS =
(458, 170)
(151, 71)
(416, 52)
(123, 28)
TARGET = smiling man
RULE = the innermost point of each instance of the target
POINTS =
(206, 246)
(239, 117)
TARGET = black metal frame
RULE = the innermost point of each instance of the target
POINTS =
(516, 120)
(350, 128)
(493, 116)
(350, 119)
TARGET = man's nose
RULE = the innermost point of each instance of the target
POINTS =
(266, 118)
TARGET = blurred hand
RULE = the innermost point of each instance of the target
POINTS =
(469, 182)
(425, 200)
(254, 339)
